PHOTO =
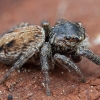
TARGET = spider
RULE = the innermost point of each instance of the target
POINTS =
(63, 44)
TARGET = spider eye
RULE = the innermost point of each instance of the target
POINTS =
(73, 39)
(68, 38)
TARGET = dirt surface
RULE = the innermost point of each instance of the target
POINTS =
(26, 83)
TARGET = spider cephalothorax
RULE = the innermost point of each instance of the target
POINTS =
(64, 43)
(67, 35)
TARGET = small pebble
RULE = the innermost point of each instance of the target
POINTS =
(0, 92)
(34, 81)
(62, 72)
(6, 70)
(63, 91)
(91, 86)
(10, 97)
(30, 94)
(73, 86)
(43, 84)
(91, 90)
(18, 71)
(28, 70)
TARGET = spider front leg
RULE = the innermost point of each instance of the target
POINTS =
(44, 58)
(46, 27)
(88, 54)
(68, 64)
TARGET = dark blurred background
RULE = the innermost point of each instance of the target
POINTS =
(13, 12)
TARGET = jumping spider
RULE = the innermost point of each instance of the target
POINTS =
(64, 43)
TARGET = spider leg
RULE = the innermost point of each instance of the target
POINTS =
(22, 59)
(44, 57)
(68, 64)
(89, 54)
(46, 27)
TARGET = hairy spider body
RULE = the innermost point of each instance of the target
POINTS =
(65, 43)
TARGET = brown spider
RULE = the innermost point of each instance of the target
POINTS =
(26, 43)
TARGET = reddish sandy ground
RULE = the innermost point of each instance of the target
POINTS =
(26, 84)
